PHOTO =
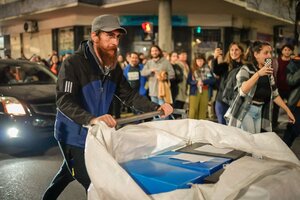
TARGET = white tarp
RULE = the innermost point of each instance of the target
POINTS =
(272, 173)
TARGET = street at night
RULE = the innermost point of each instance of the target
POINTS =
(219, 82)
(25, 174)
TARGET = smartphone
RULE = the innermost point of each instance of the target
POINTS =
(268, 61)
(220, 45)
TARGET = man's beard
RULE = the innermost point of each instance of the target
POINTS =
(108, 57)
(155, 56)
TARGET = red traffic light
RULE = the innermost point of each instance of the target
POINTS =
(147, 27)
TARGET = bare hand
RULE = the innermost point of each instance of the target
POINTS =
(107, 119)
(291, 117)
(167, 109)
(153, 70)
(266, 70)
(218, 52)
(199, 83)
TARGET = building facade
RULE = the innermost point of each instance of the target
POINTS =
(29, 27)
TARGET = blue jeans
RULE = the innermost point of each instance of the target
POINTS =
(157, 100)
(293, 130)
(221, 109)
(252, 120)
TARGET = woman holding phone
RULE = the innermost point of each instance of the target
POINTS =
(252, 108)
(225, 71)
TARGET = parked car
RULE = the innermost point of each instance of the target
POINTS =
(27, 101)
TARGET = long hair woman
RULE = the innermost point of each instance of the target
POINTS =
(225, 70)
(199, 79)
(252, 109)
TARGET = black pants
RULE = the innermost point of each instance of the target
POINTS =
(179, 104)
(283, 95)
(115, 108)
(73, 167)
(293, 130)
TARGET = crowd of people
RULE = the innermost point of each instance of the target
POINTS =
(236, 76)
(228, 88)
(53, 61)
(238, 88)
(168, 78)
(243, 88)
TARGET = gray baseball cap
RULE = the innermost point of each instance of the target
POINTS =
(107, 23)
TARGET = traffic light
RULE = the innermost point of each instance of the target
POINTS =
(198, 29)
(147, 27)
(148, 31)
(197, 32)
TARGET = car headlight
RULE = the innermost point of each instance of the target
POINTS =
(12, 106)
(13, 132)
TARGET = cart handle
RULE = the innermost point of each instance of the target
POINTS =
(135, 118)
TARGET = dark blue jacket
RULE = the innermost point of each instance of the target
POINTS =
(85, 92)
(143, 79)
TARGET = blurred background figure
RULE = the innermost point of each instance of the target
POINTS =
(35, 58)
(65, 56)
(199, 79)
(127, 58)
(121, 61)
(54, 64)
(132, 72)
(153, 69)
(142, 58)
(7, 56)
(166, 54)
(280, 66)
(212, 91)
(178, 75)
(13, 74)
(293, 79)
(226, 71)
(183, 91)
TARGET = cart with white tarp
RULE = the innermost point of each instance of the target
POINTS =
(270, 170)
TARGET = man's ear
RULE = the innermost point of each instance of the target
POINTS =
(94, 37)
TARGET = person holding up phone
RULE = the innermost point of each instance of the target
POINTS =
(225, 71)
(252, 108)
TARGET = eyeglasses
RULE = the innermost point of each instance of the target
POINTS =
(112, 35)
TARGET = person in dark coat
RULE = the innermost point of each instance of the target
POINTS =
(87, 83)
(293, 79)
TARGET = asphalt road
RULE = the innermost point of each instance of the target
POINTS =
(25, 174)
